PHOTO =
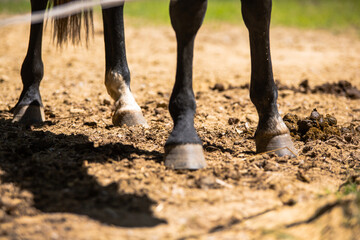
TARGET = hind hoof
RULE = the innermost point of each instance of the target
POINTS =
(129, 118)
(185, 156)
(29, 114)
(281, 145)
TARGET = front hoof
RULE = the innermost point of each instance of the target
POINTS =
(185, 156)
(129, 118)
(29, 114)
(281, 145)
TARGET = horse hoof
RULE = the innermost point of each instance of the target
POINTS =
(29, 114)
(129, 118)
(185, 156)
(281, 145)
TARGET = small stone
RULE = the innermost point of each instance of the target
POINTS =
(4, 78)
(348, 138)
(345, 130)
(219, 86)
(287, 198)
(76, 110)
(227, 96)
(271, 166)
(233, 121)
(90, 124)
(304, 86)
(307, 149)
(300, 175)
(106, 102)
(206, 182)
(158, 111)
(161, 105)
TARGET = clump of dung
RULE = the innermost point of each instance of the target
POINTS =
(316, 126)
(341, 88)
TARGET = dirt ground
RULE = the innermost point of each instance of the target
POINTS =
(79, 177)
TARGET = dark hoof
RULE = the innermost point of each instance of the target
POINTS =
(129, 118)
(185, 156)
(281, 145)
(29, 114)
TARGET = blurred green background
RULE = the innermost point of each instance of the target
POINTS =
(334, 15)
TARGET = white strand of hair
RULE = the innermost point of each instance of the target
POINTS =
(61, 11)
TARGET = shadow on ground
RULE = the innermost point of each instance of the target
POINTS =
(52, 168)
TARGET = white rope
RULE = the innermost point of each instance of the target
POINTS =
(61, 11)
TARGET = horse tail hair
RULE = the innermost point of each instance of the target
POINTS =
(68, 28)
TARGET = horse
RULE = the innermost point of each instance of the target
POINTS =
(183, 148)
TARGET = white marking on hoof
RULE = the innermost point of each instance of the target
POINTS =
(127, 111)
(185, 156)
(29, 114)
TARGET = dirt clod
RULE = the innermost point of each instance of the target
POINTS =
(341, 88)
(233, 121)
(219, 87)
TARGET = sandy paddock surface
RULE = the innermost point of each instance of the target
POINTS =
(79, 177)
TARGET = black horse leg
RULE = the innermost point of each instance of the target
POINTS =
(117, 75)
(271, 134)
(183, 149)
(29, 108)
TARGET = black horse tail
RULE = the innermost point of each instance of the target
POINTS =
(68, 28)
